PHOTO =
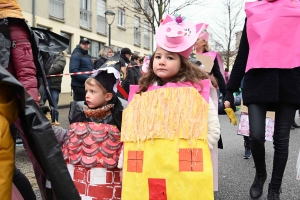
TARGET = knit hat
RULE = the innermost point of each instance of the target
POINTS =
(175, 34)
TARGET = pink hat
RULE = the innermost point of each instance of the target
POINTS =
(204, 34)
(146, 64)
(177, 35)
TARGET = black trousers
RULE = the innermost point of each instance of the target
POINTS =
(284, 116)
(79, 93)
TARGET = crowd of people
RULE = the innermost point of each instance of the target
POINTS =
(129, 108)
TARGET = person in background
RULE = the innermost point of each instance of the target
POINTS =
(104, 54)
(201, 47)
(80, 61)
(141, 60)
(226, 75)
(125, 61)
(54, 83)
(133, 74)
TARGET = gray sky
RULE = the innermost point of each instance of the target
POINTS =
(214, 13)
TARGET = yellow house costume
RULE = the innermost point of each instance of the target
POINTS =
(169, 131)
(8, 114)
(166, 145)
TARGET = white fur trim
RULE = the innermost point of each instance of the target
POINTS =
(121, 159)
(213, 125)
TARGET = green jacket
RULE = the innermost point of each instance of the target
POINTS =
(57, 68)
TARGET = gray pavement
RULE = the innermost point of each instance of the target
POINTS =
(235, 174)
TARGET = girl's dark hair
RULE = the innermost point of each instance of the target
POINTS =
(188, 72)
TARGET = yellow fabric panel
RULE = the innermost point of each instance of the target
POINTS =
(8, 114)
(166, 113)
(161, 160)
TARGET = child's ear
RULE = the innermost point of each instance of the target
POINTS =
(108, 96)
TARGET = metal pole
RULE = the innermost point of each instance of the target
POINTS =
(109, 34)
(33, 13)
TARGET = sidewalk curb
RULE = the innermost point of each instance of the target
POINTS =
(63, 106)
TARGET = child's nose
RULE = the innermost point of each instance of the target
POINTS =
(162, 61)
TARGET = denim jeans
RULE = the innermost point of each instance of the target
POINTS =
(55, 99)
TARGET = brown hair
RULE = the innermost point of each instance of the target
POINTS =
(89, 82)
(188, 72)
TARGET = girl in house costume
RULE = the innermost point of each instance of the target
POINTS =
(269, 62)
(92, 146)
(170, 126)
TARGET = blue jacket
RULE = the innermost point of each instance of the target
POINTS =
(80, 61)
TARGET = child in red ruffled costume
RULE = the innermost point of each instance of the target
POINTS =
(92, 146)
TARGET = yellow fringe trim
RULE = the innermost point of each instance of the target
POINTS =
(166, 113)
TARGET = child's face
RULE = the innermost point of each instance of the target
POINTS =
(95, 97)
(166, 64)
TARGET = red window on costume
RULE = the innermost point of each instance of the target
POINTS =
(190, 160)
(135, 161)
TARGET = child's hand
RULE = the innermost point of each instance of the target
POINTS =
(231, 115)
(227, 104)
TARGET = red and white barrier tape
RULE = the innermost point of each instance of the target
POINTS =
(70, 74)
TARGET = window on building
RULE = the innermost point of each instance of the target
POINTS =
(86, 4)
(147, 6)
(68, 36)
(137, 33)
(57, 9)
(135, 161)
(146, 35)
(137, 4)
(101, 24)
(190, 160)
(85, 14)
(43, 27)
(95, 47)
(121, 17)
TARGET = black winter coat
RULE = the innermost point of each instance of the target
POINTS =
(80, 61)
(263, 85)
(57, 68)
(100, 62)
(219, 77)
(133, 76)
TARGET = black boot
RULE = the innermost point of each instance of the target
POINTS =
(273, 192)
(257, 187)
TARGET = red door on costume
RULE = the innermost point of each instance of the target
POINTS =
(157, 189)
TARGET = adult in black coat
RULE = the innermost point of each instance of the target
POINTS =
(133, 74)
(55, 82)
(104, 54)
(125, 61)
(266, 89)
(80, 61)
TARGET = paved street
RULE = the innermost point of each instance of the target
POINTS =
(235, 173)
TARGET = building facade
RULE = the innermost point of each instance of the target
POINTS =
(75, 19)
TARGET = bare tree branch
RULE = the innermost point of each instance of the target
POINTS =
(225, 40)
(153, 10)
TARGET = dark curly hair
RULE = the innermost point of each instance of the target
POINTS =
(188, 72)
